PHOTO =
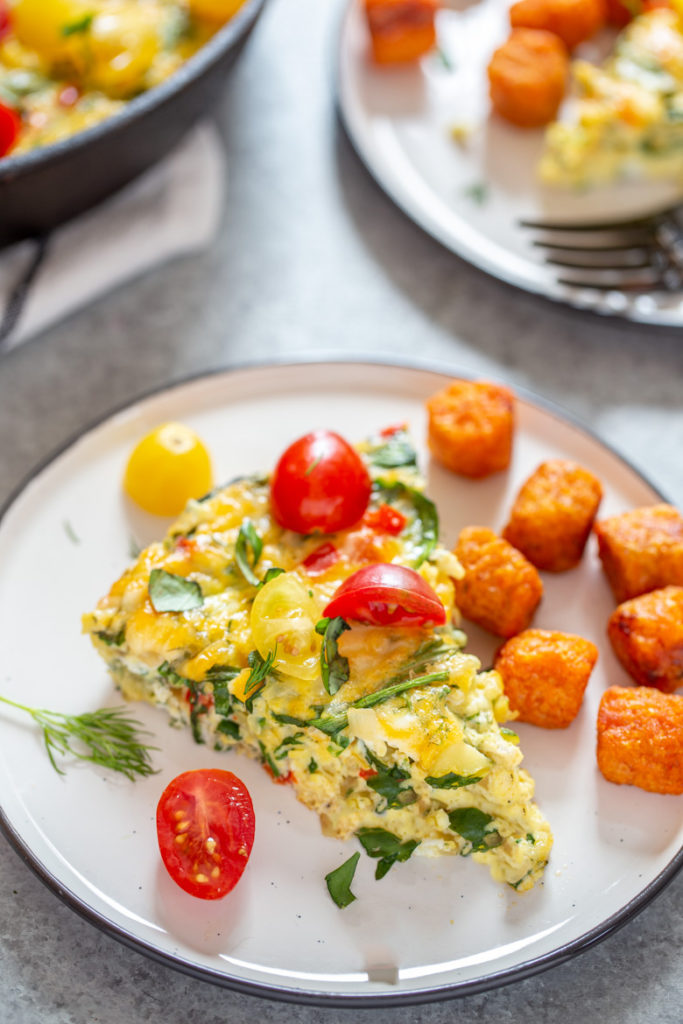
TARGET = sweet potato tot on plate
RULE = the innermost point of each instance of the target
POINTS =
(646, 634)
(640, 738)
(527, 77)
(642, 550)
(471, 427)
(401, 31)
(573, 21)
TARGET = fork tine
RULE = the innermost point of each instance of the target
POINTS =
(607, 225)
(612, 286)
(580, 265)
(562, 247)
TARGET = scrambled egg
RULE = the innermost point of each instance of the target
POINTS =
(410, 746)
(628, 118)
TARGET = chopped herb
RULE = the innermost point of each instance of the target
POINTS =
(478, 193)
(78, 26)
(509, 734)
(475, 826)
(452, 780)
(309, 469)
(282, 749)
(268, 760)
(112, 639)
(71, 533)
(260, 668)
(229, 728)
(312, 766)
(423, 529)
(171, 593)
(397, 451)
(530, 838)
(339, 881)
(442, 56)
(334, 668)
(134, 548)
(271, 574)
(385, 846)
(107, 737)
(220, 676)
(388, 783)
(247, 539)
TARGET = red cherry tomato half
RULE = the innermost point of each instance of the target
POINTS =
(320, 483)
(385, 519)
(10, 126)
(320, 560)
(4, 19)
(205, 828)
(387, 595)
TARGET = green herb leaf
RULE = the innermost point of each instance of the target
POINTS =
(283, 748)
(70, 532)
(271, 574)
(478, 192)
(268, 760)
(312, 766)
(475, 826)
(386, 847)
(334, 668)
(397, 451)
(171, 593)
(452, 780)
(339, 881)
(79, 25)
(229, 728)
(112, 639)
(248, 539)
(260, 668)
(220, 676)
(388, 783)
(423, 525)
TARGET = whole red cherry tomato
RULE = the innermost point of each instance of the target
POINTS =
(205, 828)
(385, 594)
(320, 483)
(10, 126)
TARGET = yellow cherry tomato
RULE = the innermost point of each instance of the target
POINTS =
(215, 10)
(124, 40)
(167, 468)
(54, 29)
(283, 618)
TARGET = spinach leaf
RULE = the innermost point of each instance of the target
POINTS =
(221, 676)
(247, 539)
(334, 668)
(452, 780)
(289, 741)
(475, 826)
(229, 728)
(339, 881)
(423, 528)
(78, 26)
(388, 783)
(271, 573)
(386, 847)
(171, 593)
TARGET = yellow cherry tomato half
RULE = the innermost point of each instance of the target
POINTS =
(167, 468)
(283, 618)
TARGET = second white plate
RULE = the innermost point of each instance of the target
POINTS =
(471, 197)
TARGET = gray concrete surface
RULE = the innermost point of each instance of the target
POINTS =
(313, 258)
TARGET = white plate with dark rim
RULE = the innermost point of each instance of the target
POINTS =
(472, 197)
(432, 928)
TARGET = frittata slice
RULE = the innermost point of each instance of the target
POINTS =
(628, 118)
(408, 740)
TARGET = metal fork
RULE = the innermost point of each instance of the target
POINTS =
(642, 254)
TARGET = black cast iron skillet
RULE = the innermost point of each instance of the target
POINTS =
(45, 187)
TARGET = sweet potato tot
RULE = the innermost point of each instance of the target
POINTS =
(573, 21)
(471, 427)
(640, 738)
(642, 550)
(646, 634)
(401, 31)
(553, 513)
(500, 589)
(527, 77)
(545, 674)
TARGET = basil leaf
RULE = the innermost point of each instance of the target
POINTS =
(423, 528)
(248, 538)
(229, 728)
(396, 451)
(474, 826)
(334, 668)
(289, 741)
(452, 780)
(171, 593)
(385, 846)
(339, 881)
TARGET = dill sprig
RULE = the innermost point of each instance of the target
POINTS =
(107, 737)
